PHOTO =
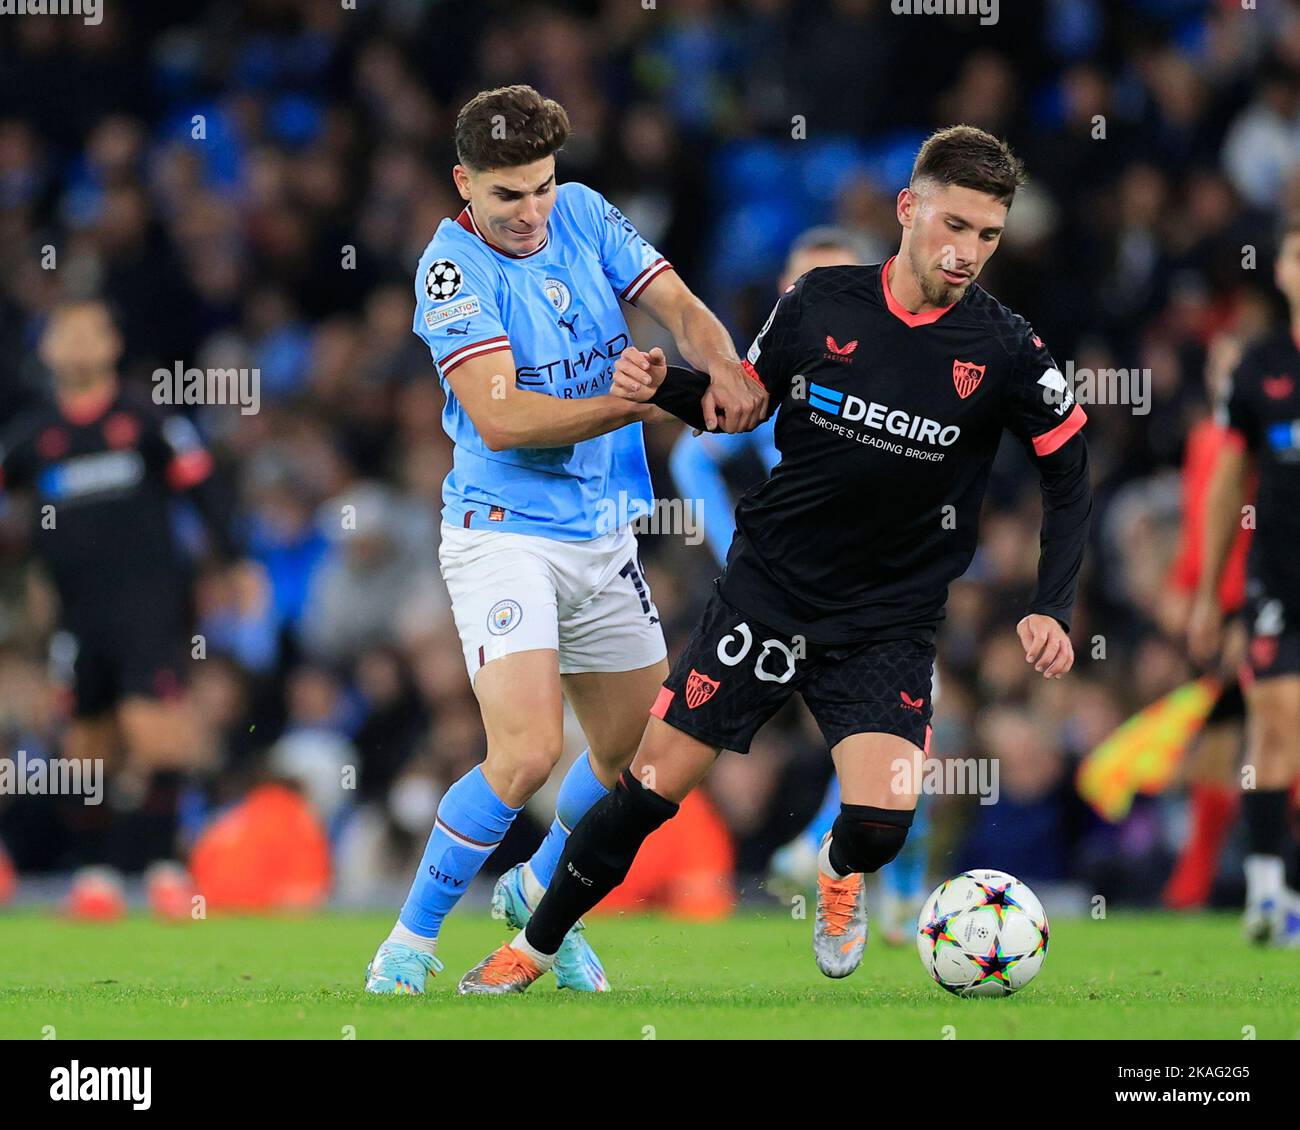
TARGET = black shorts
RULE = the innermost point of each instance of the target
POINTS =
(1274, 647)
(735, 673)
(108, 662)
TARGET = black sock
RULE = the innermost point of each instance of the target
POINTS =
(597, 858)
(1292, 855)
(872, 854)
(1265, 814)
(1293, 865)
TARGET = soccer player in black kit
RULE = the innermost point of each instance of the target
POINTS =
(102, 465)
(1261, 411)
(894, 383)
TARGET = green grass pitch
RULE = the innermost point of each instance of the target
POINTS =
(1129, 976)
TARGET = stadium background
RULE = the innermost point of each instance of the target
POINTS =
(329, 129)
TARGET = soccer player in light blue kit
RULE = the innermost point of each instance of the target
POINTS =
(518, 301)
(698, 466)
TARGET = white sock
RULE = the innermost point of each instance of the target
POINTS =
(824, 861)
(1265, 877)
(404, 937)
(533, 890)
(542, 960)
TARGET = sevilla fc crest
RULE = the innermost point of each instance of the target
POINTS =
(699, 689)
(966, 376)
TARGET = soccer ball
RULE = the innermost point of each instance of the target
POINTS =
(982, 934)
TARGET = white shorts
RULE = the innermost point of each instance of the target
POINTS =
(588, 600)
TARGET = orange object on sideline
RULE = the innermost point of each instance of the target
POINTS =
(269, 852)
(684, 868)
(8, 877)
(97, 895)
(170, 891)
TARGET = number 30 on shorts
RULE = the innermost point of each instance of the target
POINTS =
(731, 658)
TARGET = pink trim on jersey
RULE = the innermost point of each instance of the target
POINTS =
(662, 703)
(1048, 442)
(901, 312)
(82, 408)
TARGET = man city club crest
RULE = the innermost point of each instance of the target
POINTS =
(503, 616)
(966, 376)
(699, 689)
(557, 294)
(442, 280)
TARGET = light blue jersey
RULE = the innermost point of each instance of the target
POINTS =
(557, 310)
(697, 464)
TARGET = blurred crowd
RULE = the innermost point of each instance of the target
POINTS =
(252, 184)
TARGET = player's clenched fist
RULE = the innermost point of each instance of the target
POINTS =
(735, 401)
(637, 374)
(1047, 646)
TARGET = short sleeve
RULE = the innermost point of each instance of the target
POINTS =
(773, 356)
(1041, 408)
(457, 312)
(1234, 410)
(630, 262)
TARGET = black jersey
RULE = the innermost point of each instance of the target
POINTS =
(1262, 407)
(103, 482)
(888, 424)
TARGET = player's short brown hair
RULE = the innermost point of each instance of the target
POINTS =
(509, 126)
(971, 158)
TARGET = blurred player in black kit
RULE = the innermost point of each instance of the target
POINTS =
(1261, 411)
(894, 384)
(102, 465)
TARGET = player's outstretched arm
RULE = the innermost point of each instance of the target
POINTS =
(731, 401)
(1223, 502)
(508, 417)
(647, 378)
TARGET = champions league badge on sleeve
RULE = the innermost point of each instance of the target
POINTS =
(442, 280)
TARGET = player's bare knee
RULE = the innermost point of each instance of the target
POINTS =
(608, 764)
(864, 839)
(522, 772)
